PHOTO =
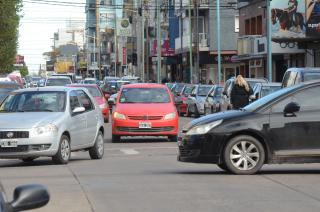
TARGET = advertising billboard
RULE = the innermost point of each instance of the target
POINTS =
(107, 18)
(288, 18)
(313, 18)
(124, 28)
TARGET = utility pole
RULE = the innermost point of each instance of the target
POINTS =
(190, 42)
(142, 32)
(94, 54)
(197, 38)
(116, 44)
(219, 41)
(269, 41)
(158, 43)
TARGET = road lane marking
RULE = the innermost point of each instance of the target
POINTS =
(129, 151)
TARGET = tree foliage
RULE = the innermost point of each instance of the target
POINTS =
(9, 33)
(24, 71)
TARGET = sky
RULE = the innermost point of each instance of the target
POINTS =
(41, 18)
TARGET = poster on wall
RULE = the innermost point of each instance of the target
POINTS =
(313, 18)
(288, 18)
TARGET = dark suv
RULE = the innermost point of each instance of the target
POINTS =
(295, 76)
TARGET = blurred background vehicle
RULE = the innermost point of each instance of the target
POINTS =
(212, 100)
(91, 81)
(58, 81)
(169, 85)
(195, 102)
(131, 79)
(25, 197)
(177, 88)
(182, 98)
(263, 89)
(225, 99)
(72, 76)
(145, 109)
(295, 76)
(6, 87)
(98, 96)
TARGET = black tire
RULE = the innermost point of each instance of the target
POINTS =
(97, 151)
(29, 159)
(173, 138)
(248, 155)
(196, 112)
(115, 138)
(64, 152)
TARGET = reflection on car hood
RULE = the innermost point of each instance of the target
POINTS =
(214, 117)
(25, 120)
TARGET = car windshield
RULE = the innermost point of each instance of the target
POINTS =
(94, 91)
(218, 92)
(266, 90)
(203, 90)
(187, 90)
(311, 76)
(89, 82)
(267, 99)
(35, 101)
(144, 95)
(4, 92)
(57, 82)
(178, 88)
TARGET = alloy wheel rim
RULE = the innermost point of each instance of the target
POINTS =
(100, 145)
(244, 155)
(65, 149)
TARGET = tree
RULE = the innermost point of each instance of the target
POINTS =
(24, 71)
(9, 25)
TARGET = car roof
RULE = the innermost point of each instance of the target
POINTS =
(304, 69)
(271, 84)
(59, 77)
(82, 85)
(50, 88)
(144, 85)
(89, 78)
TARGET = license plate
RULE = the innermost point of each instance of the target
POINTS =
(145, 125)
(9, 143)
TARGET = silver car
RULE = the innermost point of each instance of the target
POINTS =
(50, 121)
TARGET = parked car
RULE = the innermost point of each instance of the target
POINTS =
(177, 88)
(98, 96)
(225, 99)
(58, 81)
(294, 76)
(169, 85)
(144, 109)
(91, 81)
(211, 103)
(25, 197)
(262, 89)
(195, 102)
(282, 127)
(6, 87)
(59, 120)
(182, 98)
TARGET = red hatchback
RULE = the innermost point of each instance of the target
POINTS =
(97, 94)
(144, 109)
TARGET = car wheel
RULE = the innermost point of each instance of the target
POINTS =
(64, 151)
(97, 151)
(29, 159)
(115, 138)
(196, 111)
(244, 155)
(173, 138)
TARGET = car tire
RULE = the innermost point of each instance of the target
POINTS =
(29, 159)
(244, 155)
(196, 112)
(64, 152)
(97, 151)
(115, 138)
(173, 138)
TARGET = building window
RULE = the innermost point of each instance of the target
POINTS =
(247, 27)
(253, 26)
(259, 25)
(236, 23)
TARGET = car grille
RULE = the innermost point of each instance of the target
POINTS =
(153, 129)
(15, 134)
(145, 117)
(21, 148)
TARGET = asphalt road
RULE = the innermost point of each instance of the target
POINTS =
(143, 175)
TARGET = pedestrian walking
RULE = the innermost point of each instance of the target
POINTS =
(240, 93)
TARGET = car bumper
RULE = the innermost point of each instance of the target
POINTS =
(199, 148)
(131, 127)
(32, 147)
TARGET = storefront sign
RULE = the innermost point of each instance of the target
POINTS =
(166, 51)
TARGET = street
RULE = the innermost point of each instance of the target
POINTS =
(143, 174)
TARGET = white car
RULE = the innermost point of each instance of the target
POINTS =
(50, 121)
(58, 81)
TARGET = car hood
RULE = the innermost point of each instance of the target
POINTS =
(145, 109)
(226, 115)
(25, 120)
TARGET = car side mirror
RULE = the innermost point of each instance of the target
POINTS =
(28, 197)
(78, 110)
(290, 109)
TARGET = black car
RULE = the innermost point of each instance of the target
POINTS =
(26, 197)
(282, 127)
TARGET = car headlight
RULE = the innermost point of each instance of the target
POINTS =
(104, 105)
(45, 130)
(117, 115)
(170, 116)
(203, 129)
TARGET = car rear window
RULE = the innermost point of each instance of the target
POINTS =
(203, 91)
(58, 82)
(144, 95)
